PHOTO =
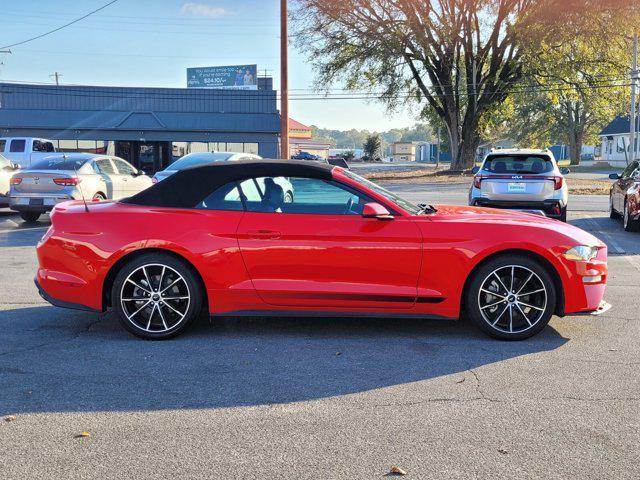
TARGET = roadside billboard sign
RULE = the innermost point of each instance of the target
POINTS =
(233, 77)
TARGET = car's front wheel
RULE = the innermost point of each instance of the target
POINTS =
(156, 296)
(511, 297)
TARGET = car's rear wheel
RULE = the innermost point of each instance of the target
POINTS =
(156, 296)
(30, 217)
(288, 197)
(99, 197)
(511, 297)
(630, 225)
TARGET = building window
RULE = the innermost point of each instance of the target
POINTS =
(196, 147)
(68, 145)
(251, 148)
(235, 147)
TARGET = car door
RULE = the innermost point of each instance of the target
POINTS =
(128, 175)
(623, 184)
(318, 250)
(108, 183)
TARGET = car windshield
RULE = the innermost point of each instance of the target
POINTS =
(194, 159)
(520, 164)
(59, 163)
(392, 197)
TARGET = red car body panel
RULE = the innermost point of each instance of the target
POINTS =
(257, 262)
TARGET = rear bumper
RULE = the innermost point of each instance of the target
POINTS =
(551, 208)
(36, 203)
(61, 303)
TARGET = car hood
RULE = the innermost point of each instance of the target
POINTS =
(502, 218)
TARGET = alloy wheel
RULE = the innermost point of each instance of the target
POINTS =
(512, 299)
(155, 298)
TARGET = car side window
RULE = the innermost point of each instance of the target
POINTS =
(17, 146)
(226, 198)
(123, 167)
(3, 143)
(299, 195)
(628, 172)
(40, 146)
(104, 166)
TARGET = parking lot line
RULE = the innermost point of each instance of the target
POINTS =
(608, 238)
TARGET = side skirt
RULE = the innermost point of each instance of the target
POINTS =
(322, 314)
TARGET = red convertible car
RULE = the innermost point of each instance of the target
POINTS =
(222, 238)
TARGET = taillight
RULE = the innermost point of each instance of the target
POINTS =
(477, 180)
(16, 180)
(154, 180)
(557, 183)
(67, 182)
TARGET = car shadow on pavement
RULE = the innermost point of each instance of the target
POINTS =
(53, 360)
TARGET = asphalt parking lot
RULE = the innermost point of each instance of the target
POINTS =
(320, 398)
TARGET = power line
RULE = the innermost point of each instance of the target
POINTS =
(59, 28)
(198, 94)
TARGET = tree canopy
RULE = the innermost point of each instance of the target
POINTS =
(458, 59)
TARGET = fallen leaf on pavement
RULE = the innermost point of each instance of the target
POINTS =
(338, 354)
(460, 381)
(502, 451)
(9, 418)
(395, 470)
(83, 434)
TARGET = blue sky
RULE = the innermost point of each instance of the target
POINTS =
(151, 43)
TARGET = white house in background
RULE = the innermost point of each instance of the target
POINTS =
(615, 142)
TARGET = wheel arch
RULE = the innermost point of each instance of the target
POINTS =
(115, 268)
(551, 269)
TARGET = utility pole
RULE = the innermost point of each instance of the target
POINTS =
(56, 76)
(632, 118)
(284, 81)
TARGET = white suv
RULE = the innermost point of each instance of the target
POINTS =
(522, 180)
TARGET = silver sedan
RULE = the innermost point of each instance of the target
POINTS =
(62, 177)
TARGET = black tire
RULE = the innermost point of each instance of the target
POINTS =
(288, 197)
(30, 217)
(630, 225)
(502, 264)
(99, 197)
(563, 215)
(159, 278)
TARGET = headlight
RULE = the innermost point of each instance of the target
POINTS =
(581, 253)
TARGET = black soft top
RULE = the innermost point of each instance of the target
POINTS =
(190, 186)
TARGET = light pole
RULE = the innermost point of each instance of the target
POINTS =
(632, 117)
(284, 81)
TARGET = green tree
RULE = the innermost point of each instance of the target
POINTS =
(456, 58)
(584, 89)
(372, 147)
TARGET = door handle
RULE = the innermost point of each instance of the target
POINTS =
(264, 234)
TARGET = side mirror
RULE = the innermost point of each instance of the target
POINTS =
(15, 166)
(139, 173)
(375, 210)
(565, 171)
(475, 170)
(615, 176)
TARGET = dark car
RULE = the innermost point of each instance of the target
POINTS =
(624, 197)
(305, 156)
